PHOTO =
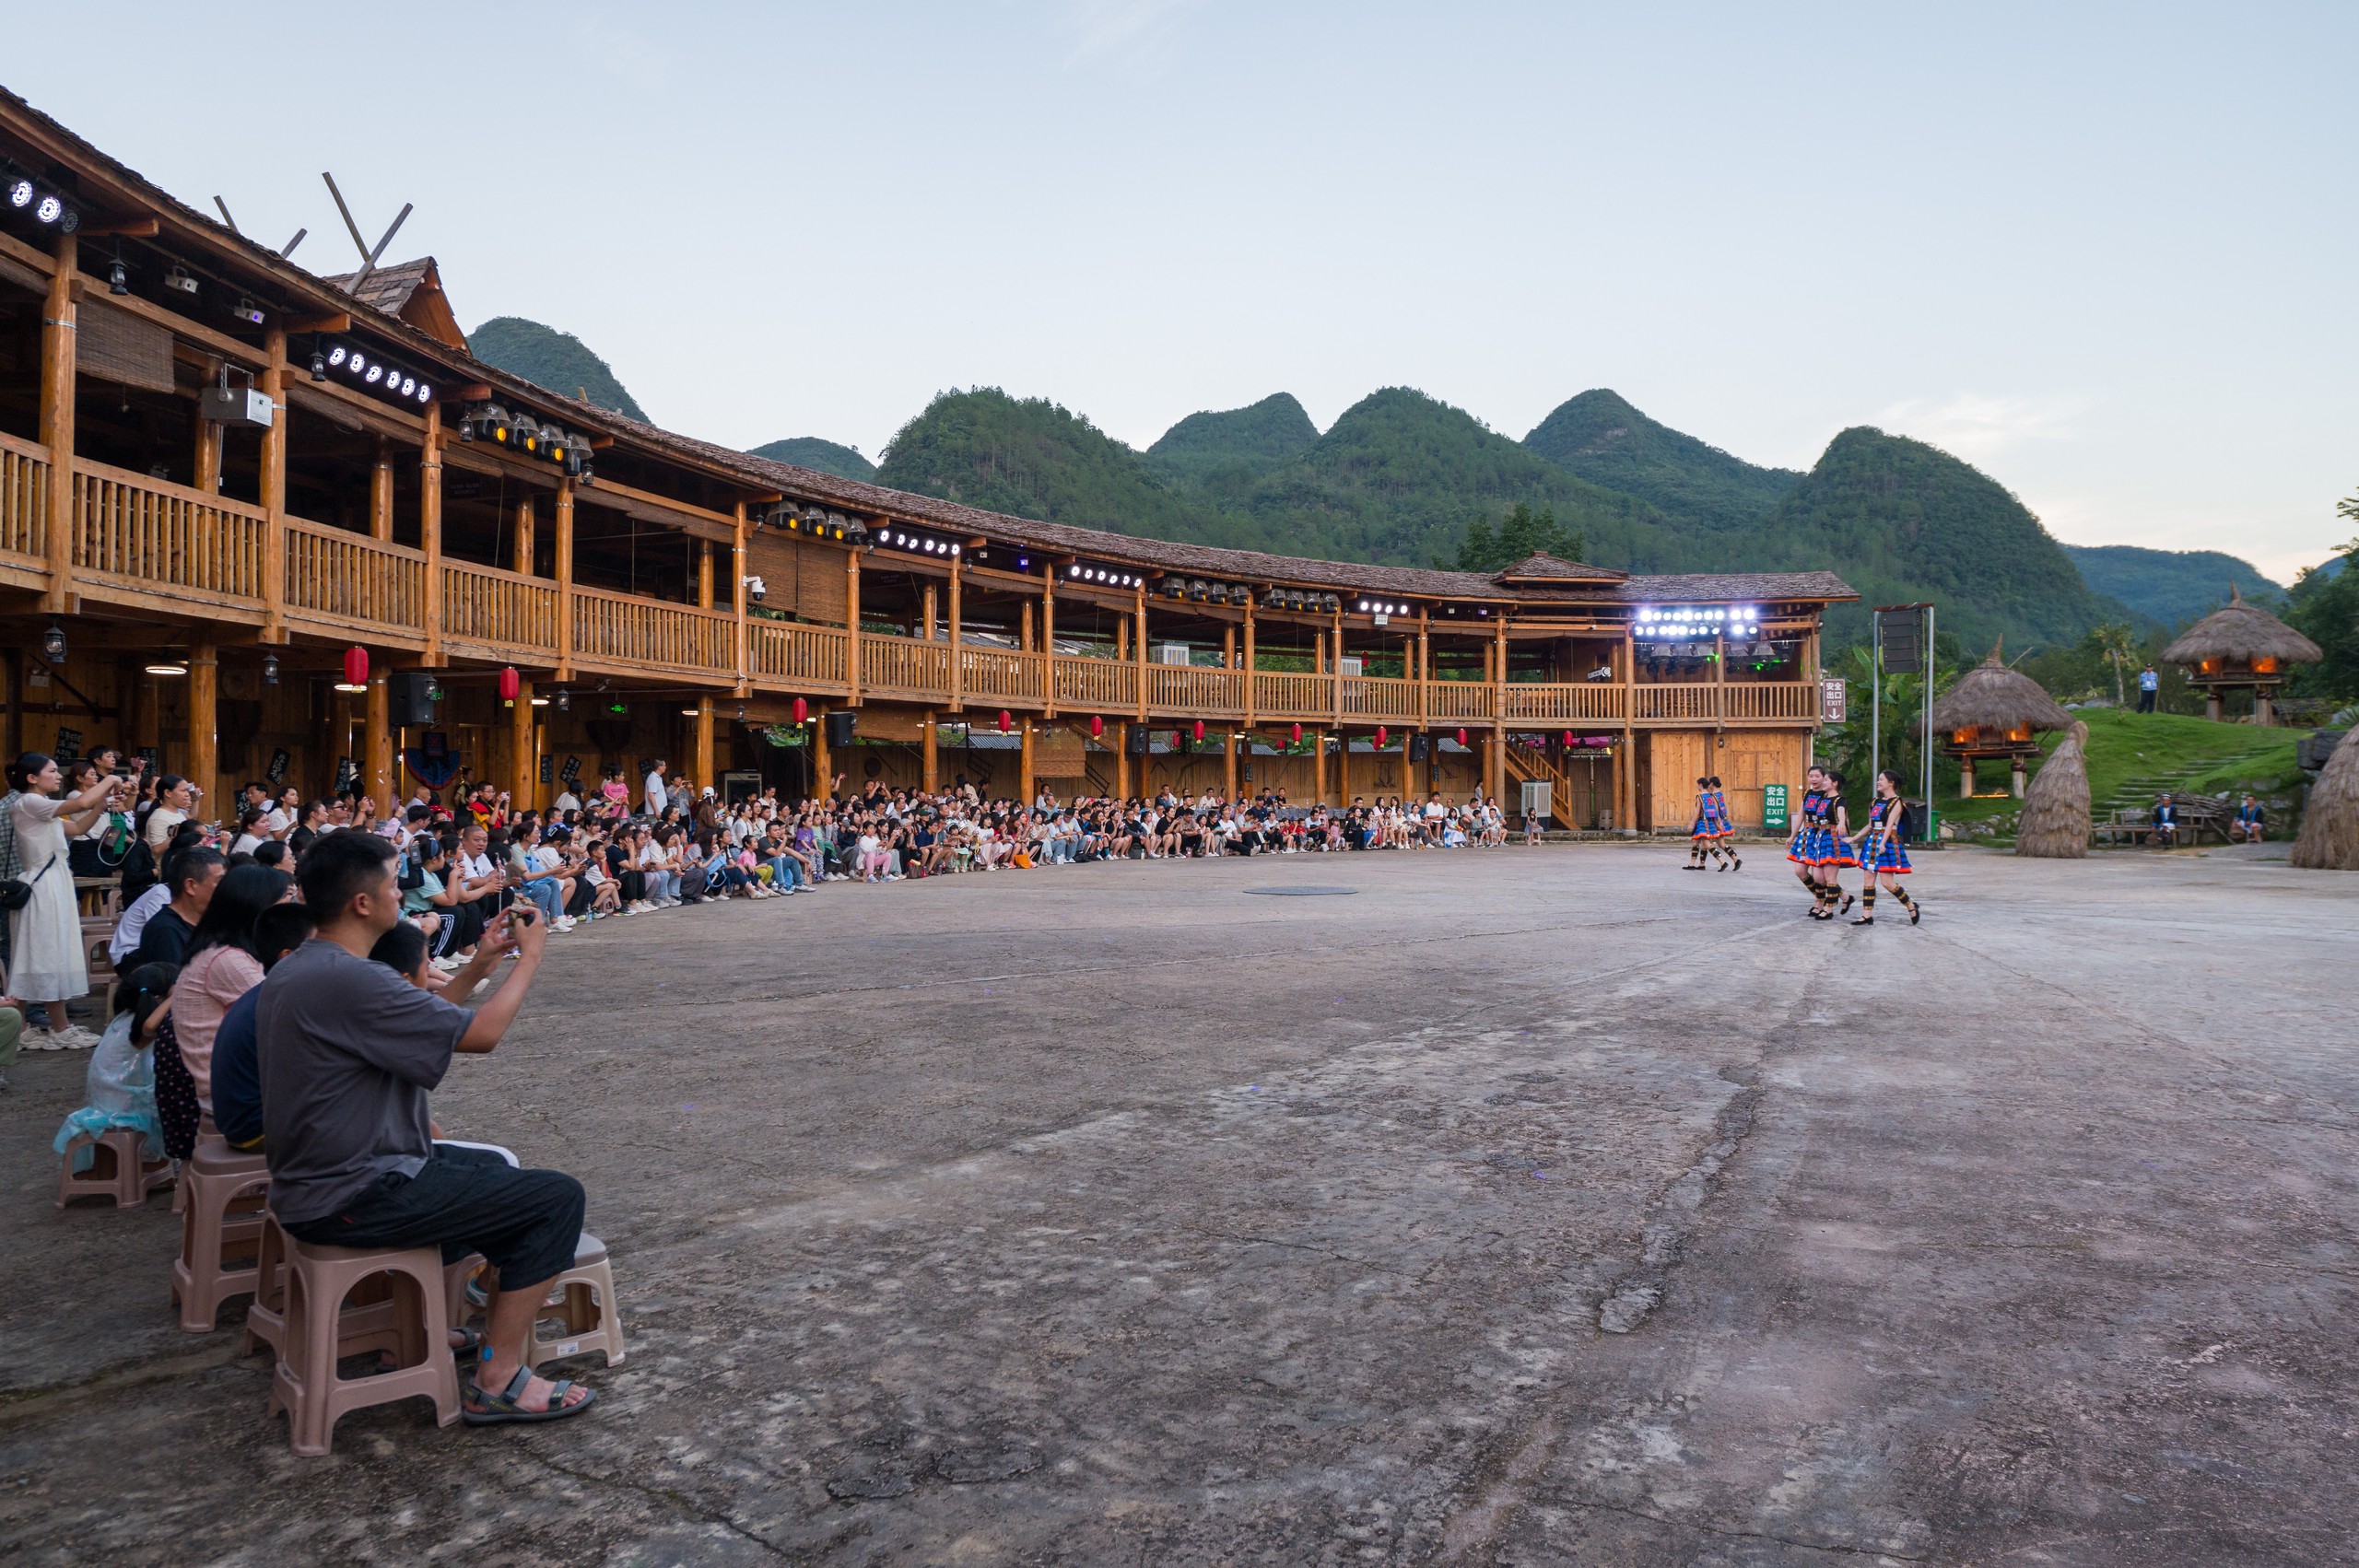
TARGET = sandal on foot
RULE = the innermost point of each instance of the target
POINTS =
(478, 1407)
(1865, 920)
(1913, 912)
(1848, 901)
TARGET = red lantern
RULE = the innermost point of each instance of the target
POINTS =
(509, 684)
(1003, 720)
(802, 712)
(1380, 733)
(1200, 729)
(356, 666)
(1461, 740)
(1096, 726)
(1568, 740)
(1298, 735)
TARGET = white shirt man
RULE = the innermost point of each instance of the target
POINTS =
(567, 801)
(657, 797)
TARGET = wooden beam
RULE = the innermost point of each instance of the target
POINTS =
(957, 627)
(381, 492)
(274, 488)
(430, 530)
(340, 320)
(649, 507)
(852, 629)
(122, 227)
(704, 779)
(57, 357)
(1049, 641)
(204, 726)
(378, 741)
(564, 570)
(738, 602)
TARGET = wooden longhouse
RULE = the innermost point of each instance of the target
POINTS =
(204, 507)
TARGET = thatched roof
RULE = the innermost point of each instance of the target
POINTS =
(2237, 633)
(1992, 697)
(2054, 822)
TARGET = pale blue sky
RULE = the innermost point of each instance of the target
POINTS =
(2104, 252)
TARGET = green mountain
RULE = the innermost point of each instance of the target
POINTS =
(1606, 441)
(827, 457)
(1225, 454)
(547, 357)
(1903, 521)
(2171, 587)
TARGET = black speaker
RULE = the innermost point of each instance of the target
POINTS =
(1140, 739)
(840, 727)
(411, 693)
(1420, 748)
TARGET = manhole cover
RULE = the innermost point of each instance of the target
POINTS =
(1302, 892)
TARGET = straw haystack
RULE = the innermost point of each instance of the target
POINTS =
(2237, 646)
(2055, 821)
(1994, 712)
(2329, 840)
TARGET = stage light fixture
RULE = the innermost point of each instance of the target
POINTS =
(375, 373)
(20, 192)
(337, 354)
(246, 311)
(49, 209)
(179, 278)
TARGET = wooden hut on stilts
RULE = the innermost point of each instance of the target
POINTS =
(2240, 646)
(1992, 713)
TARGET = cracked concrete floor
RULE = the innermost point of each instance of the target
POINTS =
(1526, 1208)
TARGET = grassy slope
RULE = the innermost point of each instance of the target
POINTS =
(2125, 747)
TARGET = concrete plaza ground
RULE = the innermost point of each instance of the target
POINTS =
(1526, 1207)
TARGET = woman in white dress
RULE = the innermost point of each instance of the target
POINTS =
(46, 961)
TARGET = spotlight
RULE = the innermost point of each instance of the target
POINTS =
(953, 549)
(246, 311)
(1072, 572)
(20, 192)
(1023, 563)
(337, 354)
(49, 209)
(375, 373)
(425, 393)
(409, 386)
(356, 363)
(179, 278)
(118, 277)
(53, 644)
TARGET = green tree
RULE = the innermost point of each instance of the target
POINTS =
(2325, 608)
(1522, 532)
(2115, 642)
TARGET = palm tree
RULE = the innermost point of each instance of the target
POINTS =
(2118, 645)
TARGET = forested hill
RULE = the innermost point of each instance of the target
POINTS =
(547, 357)
(1904, 521)
(827, 457)
(2171, 587)
(1225, 452)
(1600, 437)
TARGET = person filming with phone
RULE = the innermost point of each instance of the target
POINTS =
(347, 1050)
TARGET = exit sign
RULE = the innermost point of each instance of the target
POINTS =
(1773, 808)
(1833, 700)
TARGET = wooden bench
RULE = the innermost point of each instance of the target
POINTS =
(100, 898)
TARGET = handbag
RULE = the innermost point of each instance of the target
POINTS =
(17, 892)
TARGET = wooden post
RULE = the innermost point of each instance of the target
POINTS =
(274, 488)
(1139, 651)
(1425, 675)
(930, 619)
(1123, 759)
(704, 574)
(930, 763)
(381, 492)
(430, 539)
(57, 356)
(823, 766)
(525, 767)
(204, 721)
(739, 604)
(1024, 767)
(1122, 640)
(1965, 779)
(1495, 771)
(1251, 711)
(1049, 644)
(1627, 774)
(1228, 765)
(1024, 627)
(208, 441)
(562, 563)
(378, 744)
(1228, 648)
(705, 775)
(1720, 684)
(1319, 767)
(1408, 768)
(1342, 770)
(1337, 639)
(851, 629)
(956, 627)
(520, 560)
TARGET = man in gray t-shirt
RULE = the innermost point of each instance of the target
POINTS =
(346, 1049)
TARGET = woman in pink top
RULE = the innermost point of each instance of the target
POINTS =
(221, 965)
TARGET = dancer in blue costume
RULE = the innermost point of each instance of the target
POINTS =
(1884, 851)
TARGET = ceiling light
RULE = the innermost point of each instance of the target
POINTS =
(168, 667)
(540, 702)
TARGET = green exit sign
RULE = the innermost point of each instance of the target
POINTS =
(1773, 808)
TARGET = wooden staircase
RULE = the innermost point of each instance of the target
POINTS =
(1534, 767)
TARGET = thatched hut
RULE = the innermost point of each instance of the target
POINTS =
(2238, 645)
(2329, 840)
(2055, 821)
(1995, 712)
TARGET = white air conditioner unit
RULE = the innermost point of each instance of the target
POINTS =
(1350, 666)
(1174, 653)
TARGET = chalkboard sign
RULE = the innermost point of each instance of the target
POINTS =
(68, 746)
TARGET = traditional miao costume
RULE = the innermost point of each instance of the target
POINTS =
(1885, 855)
(1819, 849)
(1703, 835)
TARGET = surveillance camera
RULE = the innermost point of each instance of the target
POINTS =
(755, 589)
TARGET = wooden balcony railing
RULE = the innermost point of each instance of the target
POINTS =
(1379, 696)
(1682, 700)
(1004, 674)
(154, 537)
(484, 604)
(617, 628)
(353, 579)
(1178, 689)
(24, 497)
(793, 654)
(1105, 685)
(1287, 695)
(1796, 700)
(905, 664)
(1588, 703)
(1456, 701)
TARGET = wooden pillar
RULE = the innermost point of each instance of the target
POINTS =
(57, 356)
(1319, 766)
(1408, 768)
(956, 626)
(377, 763)
(521, 558)
(1049, 645)
(1627, 774)
(930, 763)
(705, 776)
(1228, 648)
(1122, 640)
(1228, 756)
(704, 574)
(203, 727)
(738, 602)
(2015, 778)
(1342, 770)
(852, 629)
(2212, 707)
(561, 564)
(1024, 765)
(1252, 714)
(274, 488)
(823, 766)
(1495, 765)
(1024, 627)
(1965, 779)
(930, 620)
(208, 441)
(429, 530)
(1138, 648)
(381, 491)
(524, 766)
(1425, 676)
(1338, 642)
(1122, 760)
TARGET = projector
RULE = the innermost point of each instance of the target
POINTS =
(247, 406)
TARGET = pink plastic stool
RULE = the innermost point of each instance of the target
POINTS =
(119, 1169)
(317, 1329)
(215, 1180)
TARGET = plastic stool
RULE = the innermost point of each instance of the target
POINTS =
(119, 1169)
(367, 1307)
(216, 1178)
(593, 1322)
(316, 1331)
